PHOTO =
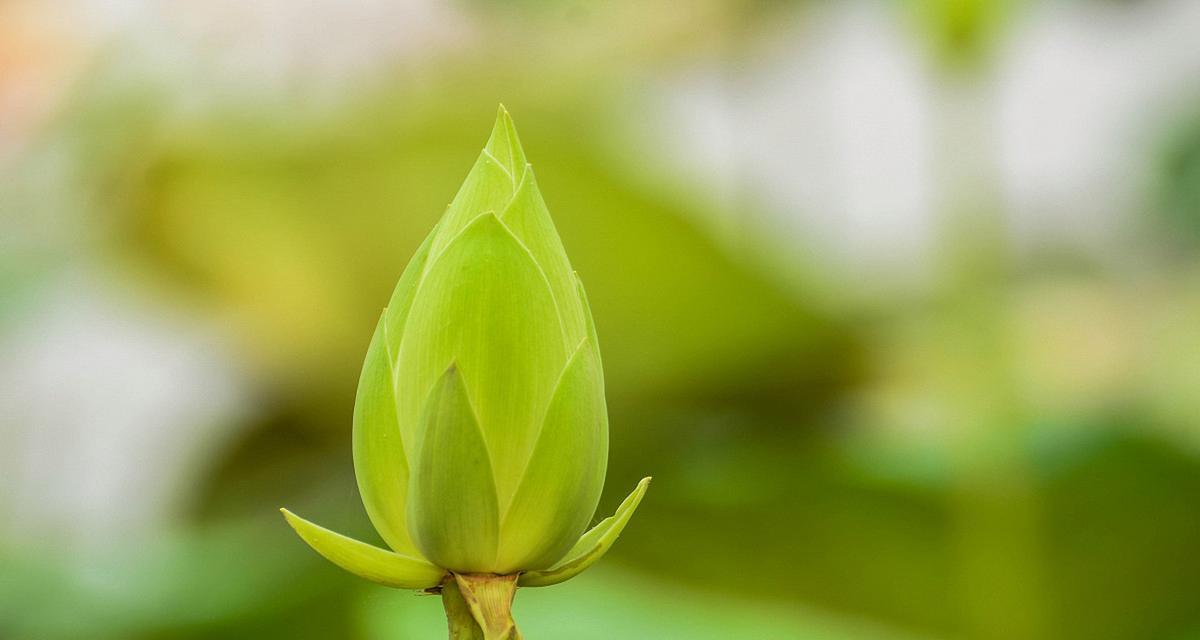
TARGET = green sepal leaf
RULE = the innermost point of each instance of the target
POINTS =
(565, 474)
(485, 305)
(591, 546)
(366, 561)
(452, 511)
(380, 465)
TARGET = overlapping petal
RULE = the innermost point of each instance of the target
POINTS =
(480, 427)
(564, 476)
(380, 464)
(486, 305)
(490, 184)
(529, 220)
(591, 546)
(453, 507)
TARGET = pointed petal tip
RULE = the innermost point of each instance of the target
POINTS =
(504, 117)
(504, 146)
(452, 502)
(504, 121)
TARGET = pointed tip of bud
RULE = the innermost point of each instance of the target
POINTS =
(505, 146)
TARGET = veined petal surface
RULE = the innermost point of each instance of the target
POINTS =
(380, 465)
(453, 510)
(380, 462)
(490, 184)
(485, 305)
(527, 217)
(591, 547)
(396, 313)
(565, 474)
(505, 146)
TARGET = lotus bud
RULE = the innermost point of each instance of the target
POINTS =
(480, 432)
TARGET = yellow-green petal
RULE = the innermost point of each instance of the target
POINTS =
(530, 221)
(380, 465)
(380, 462)
(591, 547)
(591, 323)
(565, 475)
(504, 146)
(485, 305)
(490, 184)
(396, 313)
(366, 561)
(453, 512)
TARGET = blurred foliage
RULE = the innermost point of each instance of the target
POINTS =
(961, 33)
(807, 474)
(1179, 177)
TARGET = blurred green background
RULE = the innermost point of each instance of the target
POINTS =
(899, 303)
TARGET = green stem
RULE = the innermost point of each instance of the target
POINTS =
(479, 607)
(458, 615)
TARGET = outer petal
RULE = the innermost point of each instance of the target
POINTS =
(587, 315)
(396, 313)
(379, 461)
(485, 305)
(453, 512)
(367, 561)
(591, 547)
(380, 464)
(565, 474)
(530, 221)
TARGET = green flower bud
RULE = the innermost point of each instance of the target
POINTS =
(480, 428)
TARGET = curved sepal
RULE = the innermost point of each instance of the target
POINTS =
(453, 514)
(565, 475)
(591, 547)
(366, 561)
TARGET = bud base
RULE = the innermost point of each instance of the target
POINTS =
(479, 606)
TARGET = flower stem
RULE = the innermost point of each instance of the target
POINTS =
(458, 616)
(479, 607)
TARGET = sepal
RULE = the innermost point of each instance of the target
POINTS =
(383, 567)
(591, 546)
